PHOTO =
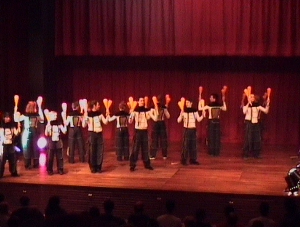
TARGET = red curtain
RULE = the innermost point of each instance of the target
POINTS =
(118, 78)
(178, 27)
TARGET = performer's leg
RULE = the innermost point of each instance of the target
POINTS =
(145, 151)
(60, 161)
(80, 143)
(100, 153)
(12, 159)
(126, 145)
(71, 144)
(185, 147)
(50, 161)
(135, 151)
(154, 142)
(164, 141)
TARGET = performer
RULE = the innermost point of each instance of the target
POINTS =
(33, 114)
(141, 115)
(53, 130)
(293, 180)
(122, 132)
(214, 135)
(253, 129)
(189, 116)
(93, 119)
(8, 131)
(159, 131)
(75, 136)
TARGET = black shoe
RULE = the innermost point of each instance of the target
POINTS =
(28, 167)
(15, 175)
(61, 172)
(149, 167)
(132, 169)
(50, 173)
(194, 162)
(183, 163)
(99, 170)
(93, 171)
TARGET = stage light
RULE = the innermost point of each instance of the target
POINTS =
(42, 142)
(42, 159)
(17, 149)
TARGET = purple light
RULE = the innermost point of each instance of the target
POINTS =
(42, 142)
(17, 149)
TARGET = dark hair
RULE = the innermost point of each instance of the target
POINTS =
(264, 208)
(24, 200)
(139, 206)
(108, 205)
(75, 105)
(170, 205)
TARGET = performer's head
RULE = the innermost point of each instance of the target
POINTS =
(122, 106)
(31, 107)
(94, 105)
(6, 117)
(188, 103)
(141, 101)
(159, 100)
(214, 98)
(75, 105)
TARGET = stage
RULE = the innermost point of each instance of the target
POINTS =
(221, 179)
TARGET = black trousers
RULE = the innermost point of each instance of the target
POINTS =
(140, 143)
(189, 149)
(122, 143)
(76, 138)
(58, 154)
(214, 137)
(159, 139)
(29, 145)
(9, 154)
(96, 150)
(252, 144)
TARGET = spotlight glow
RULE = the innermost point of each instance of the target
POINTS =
(42, 142)
(42, 159)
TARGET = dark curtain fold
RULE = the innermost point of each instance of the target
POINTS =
(178, 27)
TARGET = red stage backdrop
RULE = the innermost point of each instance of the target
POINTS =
(178, 27)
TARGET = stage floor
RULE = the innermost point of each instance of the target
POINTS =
(228, 173)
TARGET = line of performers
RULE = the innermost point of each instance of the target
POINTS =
(86, 114)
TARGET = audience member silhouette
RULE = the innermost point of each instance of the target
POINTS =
(200, 218)
(264, 210)
(54, 213)
(292, 216)
(28, 215)
(169, 219)
(139, 218)
(4, 214)
(108, 219)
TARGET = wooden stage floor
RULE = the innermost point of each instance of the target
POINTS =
(229, 173)
(210, 185)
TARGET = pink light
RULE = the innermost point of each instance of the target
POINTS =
(42, 159)
(42, 142)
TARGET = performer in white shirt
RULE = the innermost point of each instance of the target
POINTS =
(8, 131)
(94, 119)
(252, 144)
(122, 132)
(214, 108)
(159, 137)
(189, 116)
(53, 131)
(74, 123)
(32, 116)
(140, 115)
